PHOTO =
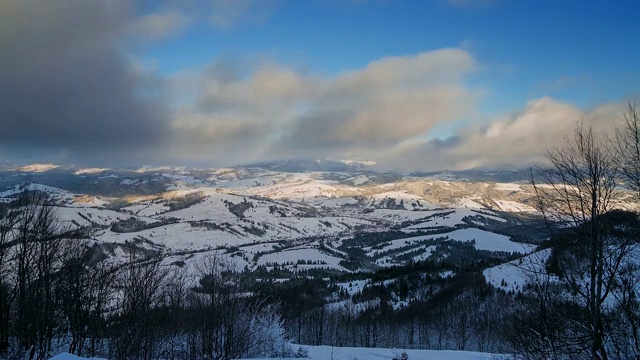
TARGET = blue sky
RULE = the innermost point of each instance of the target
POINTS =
(585, 52)
(412, 85)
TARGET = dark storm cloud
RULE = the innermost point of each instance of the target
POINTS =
(66, 86)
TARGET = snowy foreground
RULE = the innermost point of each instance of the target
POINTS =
(350, 353)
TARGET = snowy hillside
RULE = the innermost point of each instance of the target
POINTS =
(347, 258)
(301, 218)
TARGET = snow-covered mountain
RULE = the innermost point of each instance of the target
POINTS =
(299, 220)
(406, 255)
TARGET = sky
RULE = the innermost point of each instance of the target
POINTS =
(413, 85)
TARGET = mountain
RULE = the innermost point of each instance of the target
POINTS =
(328, 220)
(348, 258)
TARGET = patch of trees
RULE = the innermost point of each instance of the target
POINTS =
(55, 294)
(240, 208)
(186, 201)
(390, 203)
(372, 239)
(133, 224)
(254, 230)
(274, 209)
(210, 225)
(461, 312)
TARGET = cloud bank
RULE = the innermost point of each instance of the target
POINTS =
(71, 93)
(278, 112)
(513, 141)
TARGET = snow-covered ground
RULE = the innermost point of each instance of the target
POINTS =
(350, 353)
(245, 207)
(67, 356)
(347, 353)
(514, 206)
(514, 275)
(484, 240)
(308, 258)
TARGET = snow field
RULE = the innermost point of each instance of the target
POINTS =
(513, 206)
(508, 187)
(514, 275)
(484, 240)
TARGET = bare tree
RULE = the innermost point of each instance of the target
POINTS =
(36, 252)
(85, 290)
(627, 147)
(141, 284)
(9, 217)
(578, 192)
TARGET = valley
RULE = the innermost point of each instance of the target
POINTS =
(319, 222)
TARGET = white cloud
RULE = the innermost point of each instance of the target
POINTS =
(282, 112)
(227, 14)
(512, 141)
(160, 25)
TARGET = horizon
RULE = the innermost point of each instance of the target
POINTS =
(438, 85)
(284, 166)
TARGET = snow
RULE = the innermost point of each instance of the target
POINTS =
(67, 356)
(513, 206)
(15, 190)
(508, 187)
(484, 240)
(88, 201)
(37, 168)
(58, 195)
(182, 181)
(359, 180)
(70, 215)
(401, 198)
(147, 208)
(353, 287)
(90, 171)
(148, 168)
(349, 306)
(304, 254)
(470, 203)
(302, 187)
(446, 274)
(451, 218)
(516, 274)
(299, 208)
(345, 353)
(357, 162)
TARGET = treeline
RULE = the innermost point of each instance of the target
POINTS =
(58, 295)
(406, 307)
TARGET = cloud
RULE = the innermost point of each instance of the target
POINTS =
(514, 141)
(161, 25)
(69, 93)
(387, 102)
(277, 112)
(227, 14)
(66, 89)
